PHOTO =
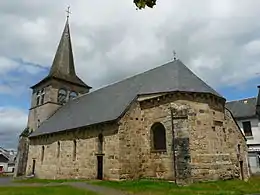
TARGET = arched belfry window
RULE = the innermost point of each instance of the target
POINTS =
(62, 95)
(100, 143)
(40, 94)
(72, 95)
(158, 137)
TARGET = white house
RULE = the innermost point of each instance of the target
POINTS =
(247, 117)
(7, 160)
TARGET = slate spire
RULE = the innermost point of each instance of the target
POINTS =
(63, 63)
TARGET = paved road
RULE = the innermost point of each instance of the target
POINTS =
(5, 180)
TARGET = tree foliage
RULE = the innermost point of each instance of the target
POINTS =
(26, 132)
(141, 4)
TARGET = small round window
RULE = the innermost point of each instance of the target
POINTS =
(62, 96)
(73, 95)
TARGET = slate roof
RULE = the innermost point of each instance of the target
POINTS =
(108, 103)
(243, 108)
(10, 156)
(63, 64)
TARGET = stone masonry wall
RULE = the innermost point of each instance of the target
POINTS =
(240, 152)
(22, 156)
(85, 165)
(204, 139)
(44, 111)
(40, 113)
(213, 145)
(204, 150)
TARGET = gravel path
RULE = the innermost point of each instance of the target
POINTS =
(7, 181)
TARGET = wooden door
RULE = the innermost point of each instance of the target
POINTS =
(100, 167)
(33, 167)
(241, 169)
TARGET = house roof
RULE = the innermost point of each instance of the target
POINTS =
(5, 156)
(63, 64)
(9, 155)
(243, 108)
(108, 103)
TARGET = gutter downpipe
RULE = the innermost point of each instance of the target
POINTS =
(173, 148)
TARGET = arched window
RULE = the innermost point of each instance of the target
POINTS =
(42, 157)
(62, 95)
(158, 137)
(40, 94)
(74, 150)
(72, 95)
(100, 143)
(38, 98)
(58, 150)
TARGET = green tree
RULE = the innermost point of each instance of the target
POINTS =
(26, 132)
(141, 4)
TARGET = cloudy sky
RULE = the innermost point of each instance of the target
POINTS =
(218, 40)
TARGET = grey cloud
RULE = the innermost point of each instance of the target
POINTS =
(12, 122)
(111, 40)
(196, 30)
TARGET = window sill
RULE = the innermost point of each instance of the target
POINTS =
(158, 151)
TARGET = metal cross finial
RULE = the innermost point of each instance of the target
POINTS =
(68, 12)
(174, 55)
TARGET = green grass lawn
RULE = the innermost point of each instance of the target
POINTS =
(148, 187)
(59, 190)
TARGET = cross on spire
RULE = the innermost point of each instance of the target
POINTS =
(68, 12)
(174, 55)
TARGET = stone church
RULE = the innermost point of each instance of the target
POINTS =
(164, 123)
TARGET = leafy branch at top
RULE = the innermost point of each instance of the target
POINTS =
(141, 4)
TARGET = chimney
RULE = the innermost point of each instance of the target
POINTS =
(258, 103)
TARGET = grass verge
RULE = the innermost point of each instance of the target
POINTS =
(149, 187)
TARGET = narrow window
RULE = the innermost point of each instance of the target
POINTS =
(62, 95)
(38, 96)
(100, 143)
(42, 98)
(42, 95)
(238, 149)
(72, 95)
(74, 150)
(42, 157)
(158, 137)
(38, 101)
(58, 150)
(247, 128)
(38, 122)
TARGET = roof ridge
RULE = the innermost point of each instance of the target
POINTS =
(125, 79)
(237, 100)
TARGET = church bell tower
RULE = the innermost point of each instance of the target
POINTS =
(59, 86)
(56, 89)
